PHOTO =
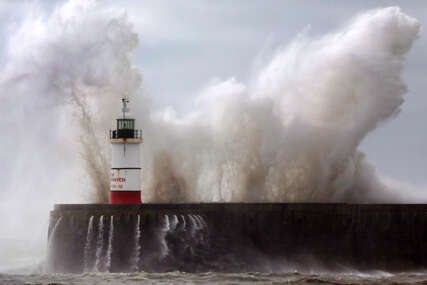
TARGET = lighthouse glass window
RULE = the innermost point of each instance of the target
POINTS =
(125, 124)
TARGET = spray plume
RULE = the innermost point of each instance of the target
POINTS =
(61, 75)
(292, 133)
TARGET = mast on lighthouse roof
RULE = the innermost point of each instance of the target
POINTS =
(125, 186)
(125, 109)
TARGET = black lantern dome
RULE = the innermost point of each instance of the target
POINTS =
(125, 128)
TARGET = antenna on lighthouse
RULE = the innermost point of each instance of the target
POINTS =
(125, 109)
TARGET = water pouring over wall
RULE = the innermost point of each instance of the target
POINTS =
(110, 245)
(50, 260)
(137, 245)
(99, 245)
(88, 246)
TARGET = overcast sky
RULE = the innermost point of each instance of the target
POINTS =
(184, 45)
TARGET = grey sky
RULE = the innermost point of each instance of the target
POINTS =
(185, 44)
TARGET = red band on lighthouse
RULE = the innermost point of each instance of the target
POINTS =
(125, 197)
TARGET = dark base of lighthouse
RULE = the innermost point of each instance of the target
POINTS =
(237, 237)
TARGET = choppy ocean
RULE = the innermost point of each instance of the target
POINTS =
(214, 278)
(22, 263)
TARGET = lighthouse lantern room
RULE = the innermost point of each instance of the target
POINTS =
(125, 187)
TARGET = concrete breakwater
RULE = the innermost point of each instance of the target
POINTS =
(236, 237)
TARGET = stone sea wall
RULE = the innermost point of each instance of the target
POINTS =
(237, 237)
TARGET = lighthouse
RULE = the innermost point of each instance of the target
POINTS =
(125, 186)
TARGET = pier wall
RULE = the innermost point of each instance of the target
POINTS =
(237, 237)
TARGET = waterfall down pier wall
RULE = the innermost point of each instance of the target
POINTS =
(236, 237)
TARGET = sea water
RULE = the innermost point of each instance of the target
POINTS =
(216, 278)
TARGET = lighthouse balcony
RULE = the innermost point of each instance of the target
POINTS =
(128, 135)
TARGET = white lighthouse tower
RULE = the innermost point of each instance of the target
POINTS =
(125, 165)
